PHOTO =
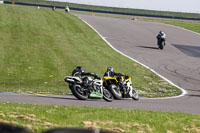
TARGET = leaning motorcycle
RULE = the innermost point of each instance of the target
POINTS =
(87, 87)
(161, 42)
(121, 87)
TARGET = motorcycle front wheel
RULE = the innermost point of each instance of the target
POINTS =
(115, 90)
(79, 92)
(135, 95)
(107, 96)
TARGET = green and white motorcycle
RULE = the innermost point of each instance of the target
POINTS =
(88, 87)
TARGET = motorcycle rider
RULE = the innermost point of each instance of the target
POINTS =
(160, 35)
(79, 71)
(110, 73)
(67, 9)
(120, 86)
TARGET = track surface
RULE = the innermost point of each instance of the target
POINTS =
(178, 62)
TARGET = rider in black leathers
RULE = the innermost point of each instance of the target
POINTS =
(79, 71)
(160, 35)
(110, 73)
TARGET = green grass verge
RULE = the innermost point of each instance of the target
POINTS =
(125, 10)
(190, 25)
(37, 51)
(38, 48)
(38, 118)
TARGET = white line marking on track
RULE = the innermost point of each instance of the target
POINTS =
(184, 92)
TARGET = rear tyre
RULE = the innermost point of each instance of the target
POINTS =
(78, 92)
(135, 95)
(115, 91)
(107, 96)
(161, 46)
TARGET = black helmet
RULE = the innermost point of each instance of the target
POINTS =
(110, 69)
(161, 33)
(80, 68)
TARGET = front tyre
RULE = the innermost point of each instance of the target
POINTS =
(115, 91)
(79, 92)
(135, 95)
(107, 96)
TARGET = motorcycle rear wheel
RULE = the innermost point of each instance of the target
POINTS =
(78, 92)
(115, 91)
(107, 96)
(161, 46)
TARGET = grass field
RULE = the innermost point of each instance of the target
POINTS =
(190, 25)
(38, 118)
(38, 48)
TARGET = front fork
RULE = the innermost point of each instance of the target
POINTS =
(127, 91)
(130, 91)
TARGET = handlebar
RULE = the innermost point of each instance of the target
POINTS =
(125, 76)
(97, 77)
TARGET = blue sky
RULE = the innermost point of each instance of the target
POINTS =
(163, 5)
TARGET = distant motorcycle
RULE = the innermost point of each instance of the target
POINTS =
(86, 87)
(161, 40)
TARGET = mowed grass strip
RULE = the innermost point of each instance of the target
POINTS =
(190, 25)
(38, 118)
(38, 48)
(112, 9)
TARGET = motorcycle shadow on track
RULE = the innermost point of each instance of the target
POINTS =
(58, 97)
(148, 47)
(193, 95)
(69, 97)
(193, 90)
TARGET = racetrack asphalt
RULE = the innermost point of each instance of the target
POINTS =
(179, 62)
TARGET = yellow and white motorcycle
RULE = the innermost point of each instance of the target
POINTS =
(121, 87)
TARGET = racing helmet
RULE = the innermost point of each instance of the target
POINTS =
(80, 68)
(110, 69)
(161, 33)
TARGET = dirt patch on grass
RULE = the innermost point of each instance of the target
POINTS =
(32, 122)
(29, 117)
(192, 128)
(169, 131)
(8, 122)
(118, 127)
(48, 124)
(91, 124)
(2, 115)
